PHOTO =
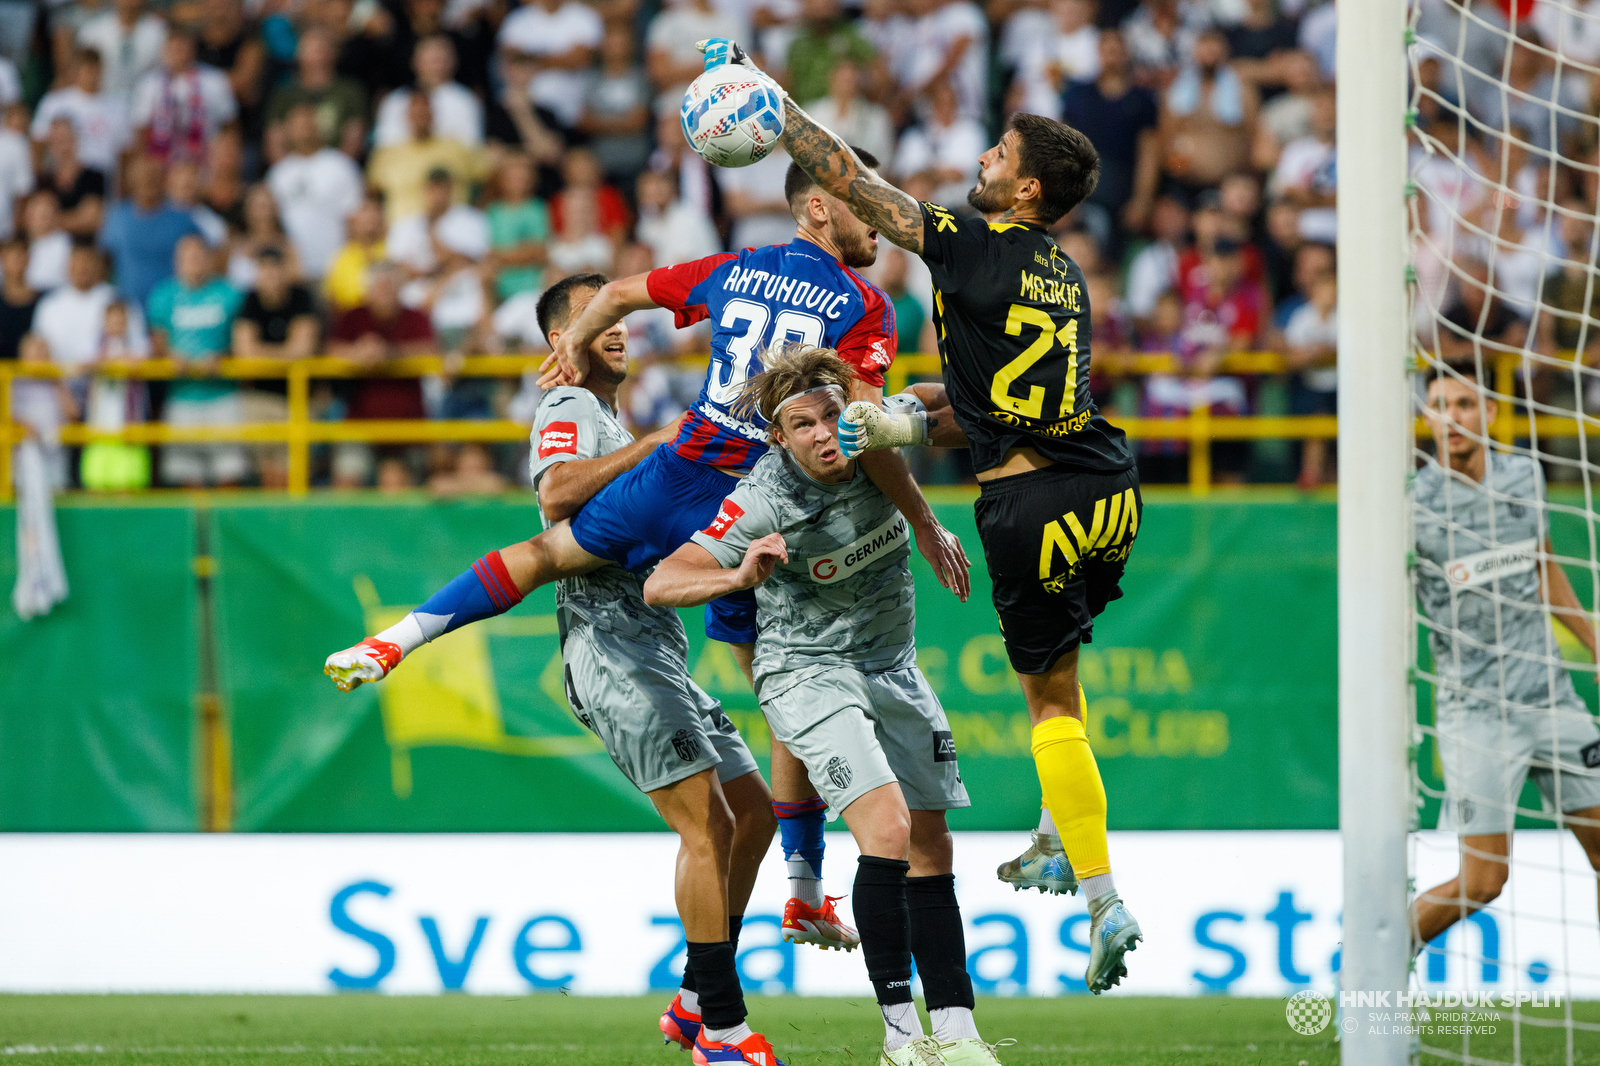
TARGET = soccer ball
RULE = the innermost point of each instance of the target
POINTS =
(732, 115)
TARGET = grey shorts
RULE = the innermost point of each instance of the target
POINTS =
(1486, 757)
(856, 732)
(658, 726)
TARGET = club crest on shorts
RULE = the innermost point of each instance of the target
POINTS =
(838, 771)
(686, 744)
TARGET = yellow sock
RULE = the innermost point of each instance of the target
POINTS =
(1083, 702)
(1070, 780)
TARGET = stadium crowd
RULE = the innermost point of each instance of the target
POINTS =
(370, 178)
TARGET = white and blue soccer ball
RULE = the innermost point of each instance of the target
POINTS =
(732, 115)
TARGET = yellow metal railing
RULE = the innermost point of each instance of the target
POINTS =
(299, 432)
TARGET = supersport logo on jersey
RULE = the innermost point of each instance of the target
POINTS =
(558, 437)
(727, 515)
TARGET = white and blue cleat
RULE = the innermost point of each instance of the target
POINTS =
(1043, 866)
(1112, 935)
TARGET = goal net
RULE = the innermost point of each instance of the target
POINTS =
(1504, 167)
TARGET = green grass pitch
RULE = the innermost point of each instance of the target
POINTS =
(572, 1031)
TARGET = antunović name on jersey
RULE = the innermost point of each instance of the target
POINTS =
(776, 287)
(839, 565)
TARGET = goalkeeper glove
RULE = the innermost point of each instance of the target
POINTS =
(866, 427)
(720, 51)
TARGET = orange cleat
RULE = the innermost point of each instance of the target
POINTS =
(805, 924)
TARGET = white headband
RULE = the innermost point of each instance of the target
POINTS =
(776, 411)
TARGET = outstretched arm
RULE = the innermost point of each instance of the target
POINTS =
(1563, 601)
(836, 168)
(566, 487)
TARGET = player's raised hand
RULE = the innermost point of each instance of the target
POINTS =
(761, 559)
(948, 558)
(720, 51)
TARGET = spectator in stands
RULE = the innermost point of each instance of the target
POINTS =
(278, 319)
(317, 188)
(1208, 117)
(142, 232)
(616, 109)
(1312, 336)
(1211, 223)
(340, 102)
(183, 193)
(99, 120)
(70, 318)
(1287, 116)
(1305, 175)
(945, 144)
(263, 229)
(346, 283)
(1226, 299)
(456, 112)
(401, 170)
(911, 314)
(676, 231)
(581, 173)
(1161, 35)
(18, 299)
(671, 57)
(80, 190)
(579, 245)
(231, 43)
(128, 40)
(379, 330)
(1260, 40)
(1569, 297)
(1065, 49)
(191, 319)
(439, 248)
(1570, 29)
(698, 184)
(860, 122)
(16, 174)
(951, 41)
(1120, 118)
(1317, 34)
(560, 38)
(178, 107)
(755, 202)
(515, 122)
(471, 474)
(1530, 95)
(823, 40)
(49, 245)
(519, 227)
(889, 29)
(225, 185)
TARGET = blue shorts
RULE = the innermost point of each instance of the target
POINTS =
(652, 511)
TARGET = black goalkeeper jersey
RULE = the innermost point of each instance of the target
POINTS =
(1012, 315)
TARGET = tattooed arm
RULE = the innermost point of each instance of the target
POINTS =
(834, 167)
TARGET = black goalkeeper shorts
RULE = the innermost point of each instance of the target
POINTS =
(1056, 542)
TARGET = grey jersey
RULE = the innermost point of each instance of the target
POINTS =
(1477, 577)
(573, 423)
(845, 597)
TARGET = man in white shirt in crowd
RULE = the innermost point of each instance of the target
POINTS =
(675, 231)
(1154, 269)
(439, 249)
(457, 113)
(99, 120)
(71, 318)
(858, 121)
(317, 188)
(560, 36)
(952, 40)
(16, 176)
(178, 107)
(129, 41)
(754, 198)
(49, 245)
(672, 59)
(946, 144)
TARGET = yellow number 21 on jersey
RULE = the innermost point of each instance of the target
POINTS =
(1032, 405)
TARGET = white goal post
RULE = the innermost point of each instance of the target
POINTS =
(1374, 458)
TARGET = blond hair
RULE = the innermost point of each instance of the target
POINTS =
(791, 368)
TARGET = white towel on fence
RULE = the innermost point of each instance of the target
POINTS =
(41, 576)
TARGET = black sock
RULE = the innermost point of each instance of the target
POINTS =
(880, 908)
(735, 924)
(721, 998)
(938, 942)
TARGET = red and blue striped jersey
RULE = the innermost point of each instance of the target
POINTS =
(755, 299)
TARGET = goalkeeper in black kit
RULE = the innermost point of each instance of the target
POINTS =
(1059, 505)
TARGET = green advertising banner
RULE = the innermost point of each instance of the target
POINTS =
(1211, 684)
(97, 698)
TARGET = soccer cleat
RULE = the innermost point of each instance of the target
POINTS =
(371, 660)
(679, 1025)
(971, 1052)
(1113, 934)
(805, 924)
(752, 1050)
(1043, 866)
(923, 1051)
